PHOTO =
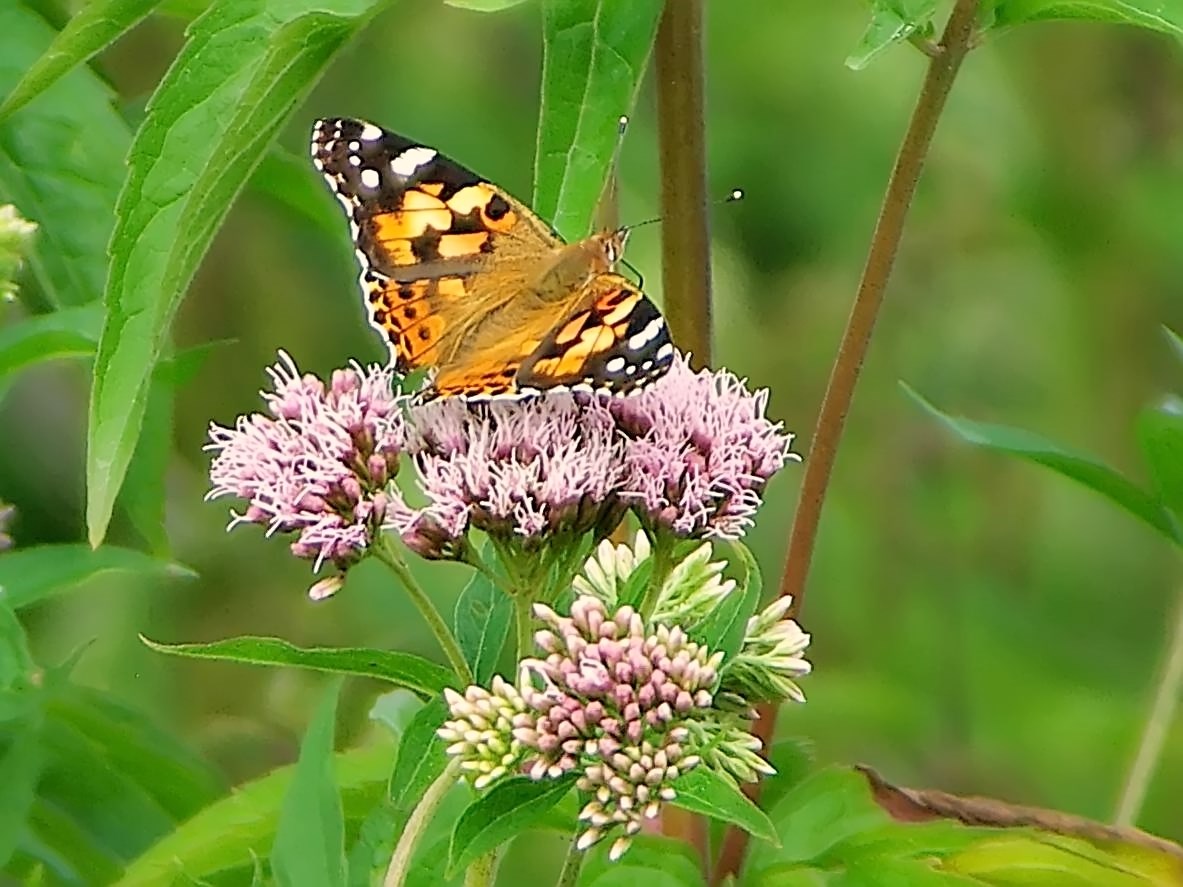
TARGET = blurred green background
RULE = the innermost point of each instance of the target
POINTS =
(979, 625)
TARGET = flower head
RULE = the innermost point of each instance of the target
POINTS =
(699, 451)
(320, 464)
(480, 730)
(523, 468)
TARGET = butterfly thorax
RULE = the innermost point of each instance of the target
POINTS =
(572, 266)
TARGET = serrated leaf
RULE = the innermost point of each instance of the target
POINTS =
(724, 629)
(650, 861)
(1081, 468)
(1157, 15)
(594, 55)
(70, 332)
(481, 623)
(706, 792)
(504, 811)
(225, 834)
(421, 755)
(892, 22)
(31, 575)
(405, 669)
(98, 24)
(61, 164)
(1160, 435)
(310, 839)
(241, 71)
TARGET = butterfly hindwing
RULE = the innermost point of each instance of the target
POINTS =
(615, 340)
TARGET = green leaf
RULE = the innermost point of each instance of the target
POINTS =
(142, 498)
(1175, 341)
(1160, 435)
(1081, 468)
(20, 771)
(395, 710)
(724, 629)
(31, 575)
(310, 839)
(706, 792)
(244, 66)
(481, 623)
(95, 26)
(594, 56)
(825, 809)
(650, 861)
(70, 332)
(16, 662)
(892, 21)
(507, 809)
(421, 755)
(1157, 15)
(61, 163)
(483, 5)
(227, 833)
(405, 669)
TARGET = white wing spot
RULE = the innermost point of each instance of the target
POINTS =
(370, 133)
(355, 145)
(631, 369)
(410, 160)
(646, 366)
(647, 335)
(615, 365)
(370, 178)
(354, 160)
(666, 351)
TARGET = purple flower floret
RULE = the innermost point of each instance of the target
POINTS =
(526, 468)
(320, 464)
(699, 451)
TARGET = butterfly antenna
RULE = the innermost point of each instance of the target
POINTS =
(735, 195)
(606, 204)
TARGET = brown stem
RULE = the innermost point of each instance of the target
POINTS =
(942, 71)
(685, 247)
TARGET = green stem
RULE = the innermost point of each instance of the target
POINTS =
(425, 810)
(523, 610)
(569, 876)
(482, 872)
(663, 563)
(443, 635)
(1154, 733)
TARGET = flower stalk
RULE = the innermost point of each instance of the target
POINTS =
(425, 810)
(386, 553)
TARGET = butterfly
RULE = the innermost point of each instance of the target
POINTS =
(463, 279)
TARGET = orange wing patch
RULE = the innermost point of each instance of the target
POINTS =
(411, 316)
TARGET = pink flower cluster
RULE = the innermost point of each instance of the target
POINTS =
(319, 465)
(611, 701)
(691, 455)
